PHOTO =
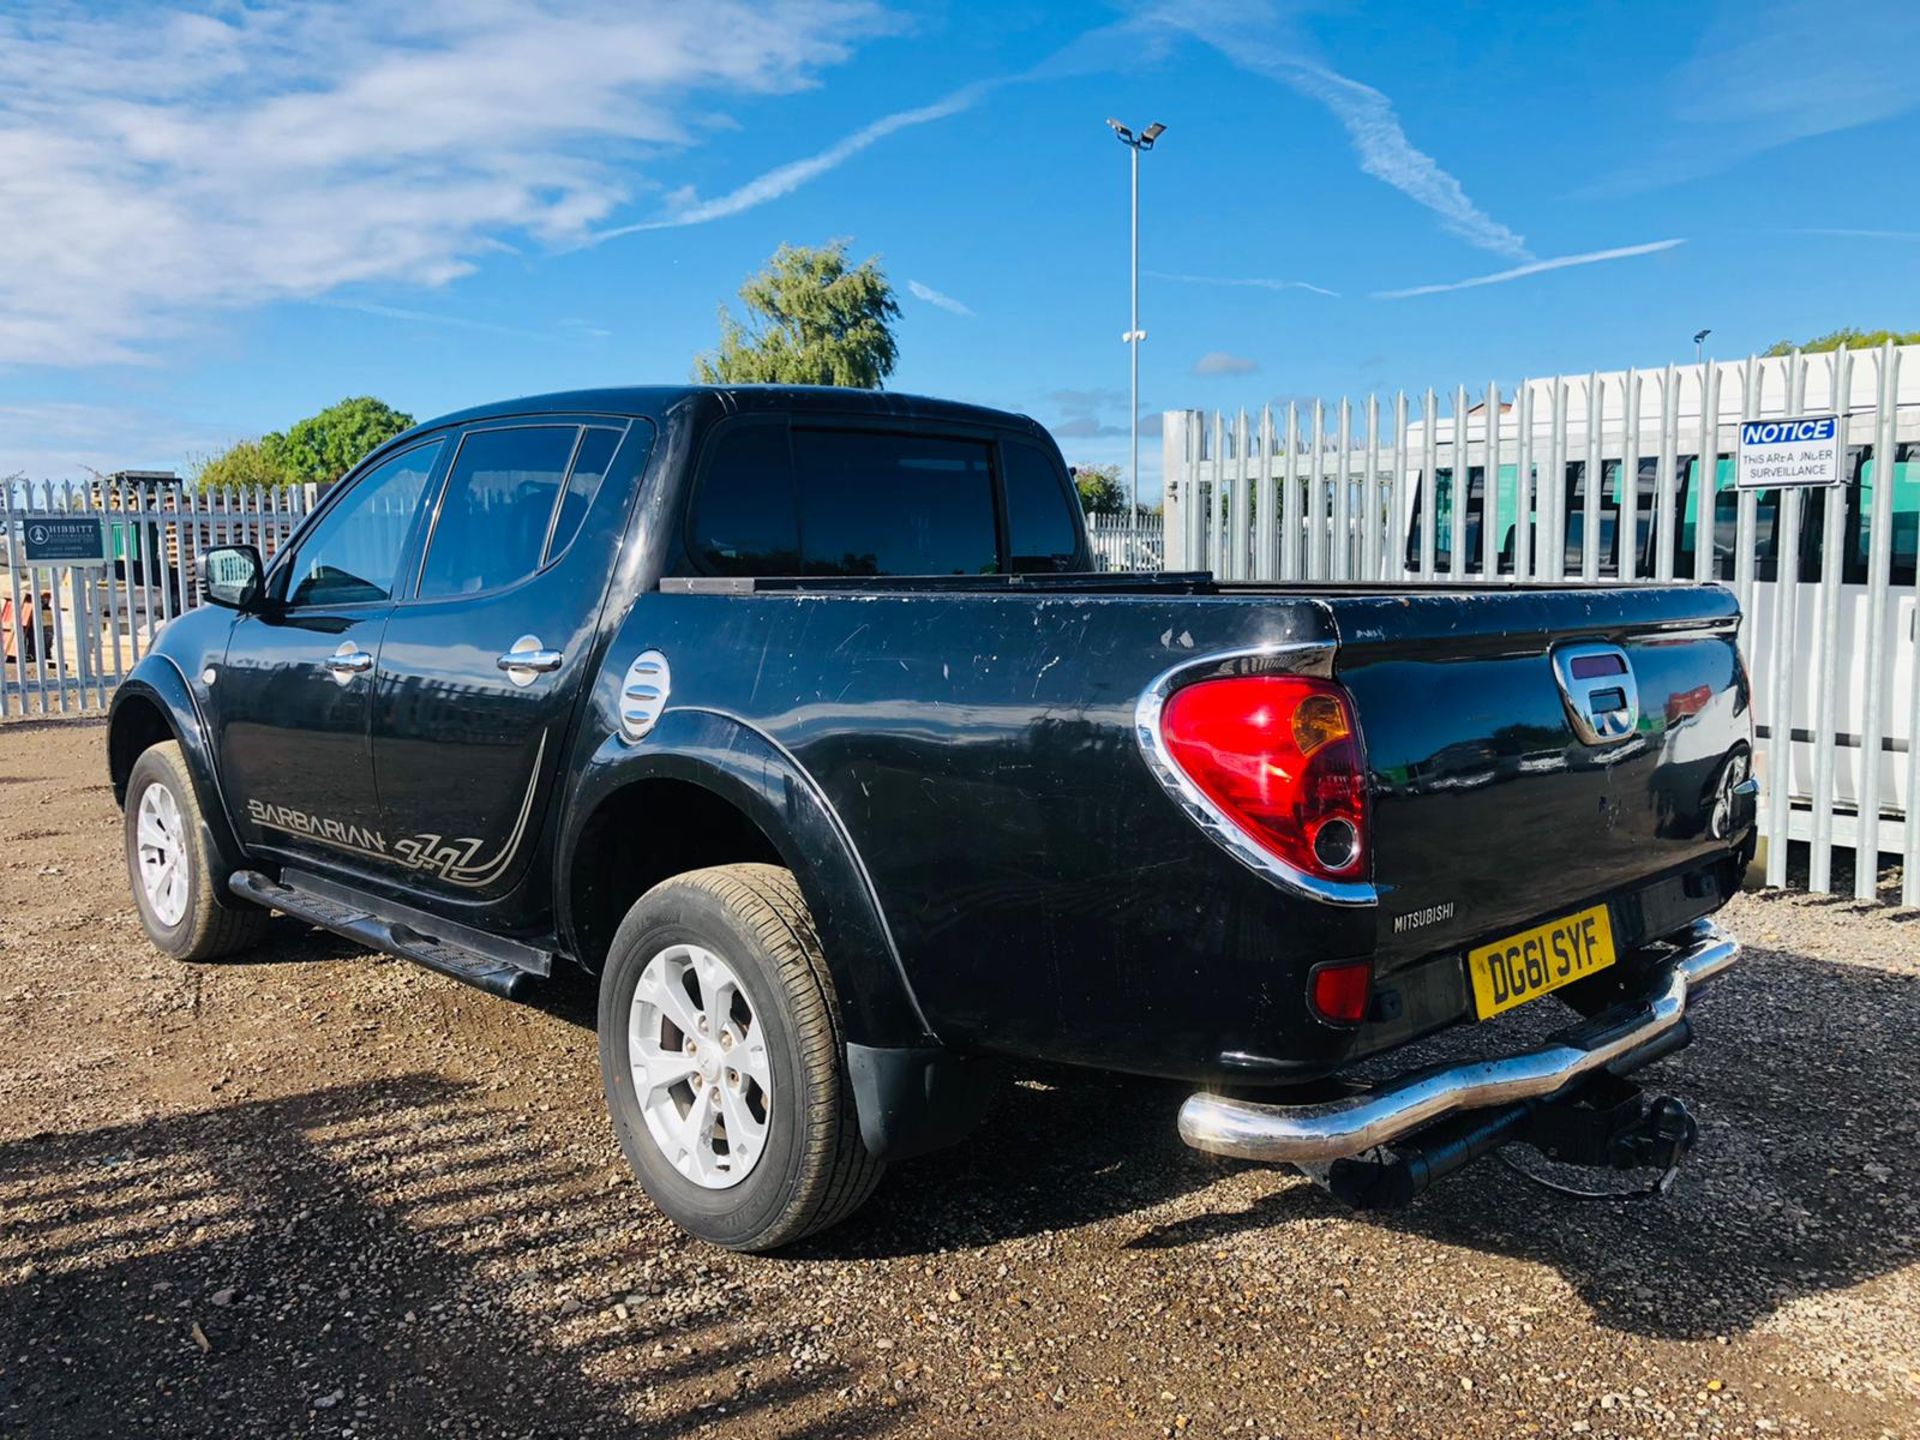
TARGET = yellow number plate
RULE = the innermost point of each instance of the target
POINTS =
(1513, 971)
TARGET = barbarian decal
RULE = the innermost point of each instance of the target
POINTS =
(317, 827)
(451, 860)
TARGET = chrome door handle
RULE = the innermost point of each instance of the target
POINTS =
(529, 658)
(347, 662)
(540, 660)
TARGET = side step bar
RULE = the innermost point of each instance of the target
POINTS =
(502, 968)
(1621, 1039)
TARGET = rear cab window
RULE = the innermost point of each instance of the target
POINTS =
(779, 499)
(880, 504)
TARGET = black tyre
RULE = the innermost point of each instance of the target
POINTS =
(171, 866)
(724, 1061)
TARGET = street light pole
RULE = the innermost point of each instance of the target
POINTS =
(1134, 336)
(1699, 346)
(1136, 143)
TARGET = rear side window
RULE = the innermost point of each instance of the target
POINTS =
(496, 508)
(1041, 535)
(744, 521)
(879, 504)
(589, 469)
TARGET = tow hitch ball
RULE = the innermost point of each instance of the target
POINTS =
(1660, 1140)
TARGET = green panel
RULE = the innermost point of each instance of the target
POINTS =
(1906, 516)
(1723, 481)
(1506, 503)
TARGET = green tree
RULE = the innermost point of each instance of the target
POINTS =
(1852, 339)
(1100, 490)
(242, 466)
(316, 451)
(322, 448)
(811, 320)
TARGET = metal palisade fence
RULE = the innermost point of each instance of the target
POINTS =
(1625, 478)
(1127, 542)
(71, 628)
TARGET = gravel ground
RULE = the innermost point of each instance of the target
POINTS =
(321, 1192)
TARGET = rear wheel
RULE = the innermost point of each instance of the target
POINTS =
(724, 1064)
(171, 865)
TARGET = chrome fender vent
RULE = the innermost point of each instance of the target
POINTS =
(643, 694)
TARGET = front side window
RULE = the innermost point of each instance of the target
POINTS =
(354, 551)
(496, 509)
(1042, 538)
(873, 503)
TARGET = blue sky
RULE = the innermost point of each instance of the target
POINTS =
(222, 217)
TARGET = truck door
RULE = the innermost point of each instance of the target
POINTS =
(482, 663)
(292, 702)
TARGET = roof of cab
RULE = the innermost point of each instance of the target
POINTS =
(657, 399)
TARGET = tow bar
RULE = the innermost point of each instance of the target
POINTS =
(1605, 1122)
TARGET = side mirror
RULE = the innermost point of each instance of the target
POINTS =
(231, 576)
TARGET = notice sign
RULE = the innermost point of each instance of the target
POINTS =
(1802, 451)
(63, 540)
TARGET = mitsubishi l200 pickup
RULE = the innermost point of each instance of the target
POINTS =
(802, 720)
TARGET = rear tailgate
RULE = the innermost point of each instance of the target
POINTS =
(1491, 809)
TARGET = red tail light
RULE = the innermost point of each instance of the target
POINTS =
(1280, 754)
(1340, 992)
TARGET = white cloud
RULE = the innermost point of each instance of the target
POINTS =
(64, 440)
(1085, 414)
(934, 297)
(688, 209)
(428, 317)
(154, 167)
(1250, 282)
(1538, 267)
(1219, 362)
(1252, 34)
(1770, 72)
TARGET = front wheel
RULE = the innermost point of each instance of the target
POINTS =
(724, 1064)
(171, 865)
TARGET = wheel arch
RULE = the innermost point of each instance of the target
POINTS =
(706, 789)
(152, 706)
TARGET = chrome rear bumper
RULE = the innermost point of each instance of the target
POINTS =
(1252, 1130)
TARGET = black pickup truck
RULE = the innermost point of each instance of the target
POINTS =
(800, 718)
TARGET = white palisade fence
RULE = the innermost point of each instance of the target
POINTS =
(1624, 478)
(69, 633)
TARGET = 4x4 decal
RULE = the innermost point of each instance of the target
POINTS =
(450, 859)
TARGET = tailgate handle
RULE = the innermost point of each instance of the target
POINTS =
(1602, 697)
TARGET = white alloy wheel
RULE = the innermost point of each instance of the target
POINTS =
(165, 863)
(700, 1068)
